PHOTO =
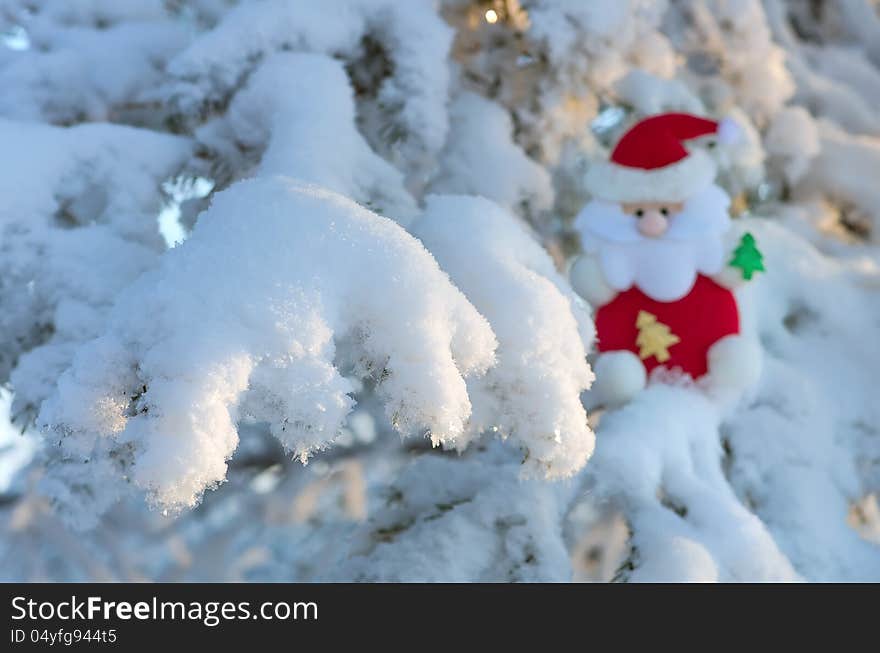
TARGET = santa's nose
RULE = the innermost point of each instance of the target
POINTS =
(653, 224)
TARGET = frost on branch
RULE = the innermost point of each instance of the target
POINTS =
(461, 520)
(792, 141)
(660, 459)
(649, 94)
(732, 58)
(548, 65)
(291, 108)
(845, 170)
(77, 224)
(282, 290)
(85, 60)
(532, 394)
(818, 400)
(407, 95)
(481, 158)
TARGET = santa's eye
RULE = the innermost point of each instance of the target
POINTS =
(664, 211)
(711, 144)
(640, 212)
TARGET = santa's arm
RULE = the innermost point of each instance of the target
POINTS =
(742, 260)
(589, 282)
(729, 277)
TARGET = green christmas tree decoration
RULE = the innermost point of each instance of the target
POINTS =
(747, 257)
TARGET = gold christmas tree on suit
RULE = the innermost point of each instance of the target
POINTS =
(655, 338)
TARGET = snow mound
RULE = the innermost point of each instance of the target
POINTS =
(532, 394)
(463, 520)
(481, 158)
(281, 290)
(660, 458)
(297, 111)
(77, 224)
(85, 60)
(413, 39)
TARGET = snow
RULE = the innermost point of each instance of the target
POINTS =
(844, 169)
(371, 208)
(16, 448)
(793, 137)
(736, 35)
(104, 56)
(650, 94)
(77, 214)
(511, 280)
(451, 523)
(481, 158)
(661, 456)
(414, 39)
(290, 132)
(819, 409)
(268, 348)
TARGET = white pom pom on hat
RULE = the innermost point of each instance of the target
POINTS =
(729, 132)
(651, 162)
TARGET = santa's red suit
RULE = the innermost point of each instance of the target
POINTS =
(698, 320)
(656, 294)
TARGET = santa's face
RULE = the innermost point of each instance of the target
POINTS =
(658, 246)
(653, 217)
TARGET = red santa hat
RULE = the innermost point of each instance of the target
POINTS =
(651, 162)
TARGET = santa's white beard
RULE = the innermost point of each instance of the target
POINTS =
(663, 268)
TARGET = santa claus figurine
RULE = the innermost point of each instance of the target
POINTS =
(659, 266)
